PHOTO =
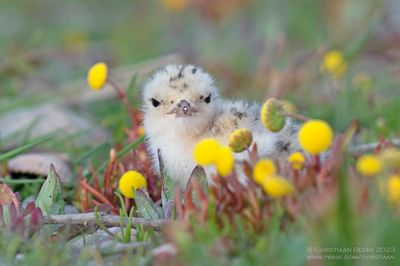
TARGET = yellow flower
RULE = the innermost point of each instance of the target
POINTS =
(205, 151)
(276, 186)
(174, 5)
(97, 76)
(315, 136)
(334, 63)
(263, 169)
(240, 139)
(273, 115)
(369, 165)
(296, 159)
(393, 187)
(131, 181)
(210, 151)
(224, 161)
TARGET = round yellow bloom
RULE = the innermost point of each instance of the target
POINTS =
(97, 76)
(276, 186)
(131, 181)
(334, 63)
(240, 139)
(224, 161)
(369, 165)
(174, 5)
(205, 151)
(263, 169)
(296, 159)
(210, 151)
(273, 115)
(393, 187)
(315, 136)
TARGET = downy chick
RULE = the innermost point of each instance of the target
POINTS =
(181, 106)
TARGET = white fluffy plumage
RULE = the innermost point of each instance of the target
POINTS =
(181, 106)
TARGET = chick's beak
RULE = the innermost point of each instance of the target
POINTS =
(183, 108)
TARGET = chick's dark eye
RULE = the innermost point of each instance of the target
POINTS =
(155, 103)
(208, 99)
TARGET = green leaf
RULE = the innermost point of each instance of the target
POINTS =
(146, 207)
(50, 199)
(168, 189)
(200, 175)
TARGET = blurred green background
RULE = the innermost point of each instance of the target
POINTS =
(254, 49)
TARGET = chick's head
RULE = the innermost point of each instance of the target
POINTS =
(181, 96)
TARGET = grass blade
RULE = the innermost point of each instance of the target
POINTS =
(10, 154)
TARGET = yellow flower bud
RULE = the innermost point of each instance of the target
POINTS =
(334, 63)
(393, 187)
(276, 186)
(131, 181)
(369, 165)
(273, 115)
(240, 139)
(263, 169)
(97, 76)
(205, 151)
(315, 136)
(296, 159)
(224, 161)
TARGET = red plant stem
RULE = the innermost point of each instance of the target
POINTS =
(124, 100)
(84, 198)
(128, 205)
(316, 163)
(82, 193)
(178, 200)
(297, 116)
(95, 193)
(97, 203)
(297, 178)
(254, 203)
(95, 179)
(108, 174)
(204, 201)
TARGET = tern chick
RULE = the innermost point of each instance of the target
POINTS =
(181, 106)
